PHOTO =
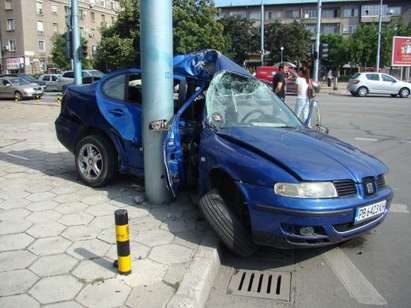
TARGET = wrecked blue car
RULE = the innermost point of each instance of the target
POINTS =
(263, 176)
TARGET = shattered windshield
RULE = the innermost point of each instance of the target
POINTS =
(234, 101)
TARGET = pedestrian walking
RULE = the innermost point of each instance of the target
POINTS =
(279, 81)
(303, 100)
(330, 76)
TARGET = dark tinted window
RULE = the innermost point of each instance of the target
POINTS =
(388, 78)
(53, 78)
(115, 87)
(134, 89)
(46, 78)
(372, 77)
(68, 74)
(356, 75)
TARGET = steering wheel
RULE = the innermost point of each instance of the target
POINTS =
(258, 111)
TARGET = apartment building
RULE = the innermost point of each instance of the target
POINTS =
(338, 16)
(28, 26)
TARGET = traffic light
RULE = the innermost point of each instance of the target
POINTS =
(324, 51)
(68, 48)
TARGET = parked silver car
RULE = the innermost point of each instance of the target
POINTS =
(18, 88)
(55, 82)
(362, 84)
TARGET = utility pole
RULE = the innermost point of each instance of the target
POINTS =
(262, 32)
(76, 42)
(156, 45)
(317, 43)
(282, 53)
(379, 38)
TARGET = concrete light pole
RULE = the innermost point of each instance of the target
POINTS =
(282, 53)
(76, 42)
(317, 43)
(156, 44)
(262, 32)
(379, 38)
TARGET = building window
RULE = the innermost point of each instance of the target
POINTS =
(395, 11)
(7, 5)
(10, 25)
(40, 27)
(292, 14)
(330, 29)
(82, 14)
(11, 44)
(350, 12)
(330, 13)
(373, 10)
(311, 13)
(349, 29)
(67, 10)
(112, 20)
(311, 27)
(54, 9)
(93, 50)
(39, 8)
(241, 14)
(55, 27)
(256, 15)
(42, 46)
(82, 33)
(103, 20)
(93, 16)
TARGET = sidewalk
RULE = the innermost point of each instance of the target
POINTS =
(341, 89)
(57, 236)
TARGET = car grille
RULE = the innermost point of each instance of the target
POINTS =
(345, 188)
(380, 181)
(350, 226)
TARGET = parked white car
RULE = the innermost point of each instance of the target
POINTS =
(362, 84)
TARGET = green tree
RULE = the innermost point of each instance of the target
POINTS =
(338, 50)
(242, 37)
(295, 39)
(58, 52)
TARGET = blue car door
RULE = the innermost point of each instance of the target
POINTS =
(173, 150)
(119, 101)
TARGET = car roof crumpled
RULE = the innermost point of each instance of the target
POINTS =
(204, 64)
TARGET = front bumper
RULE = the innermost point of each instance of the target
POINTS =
(33, 94)
(278, 224)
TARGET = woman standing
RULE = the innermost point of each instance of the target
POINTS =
(302, 104)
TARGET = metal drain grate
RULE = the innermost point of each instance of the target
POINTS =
(267, 284)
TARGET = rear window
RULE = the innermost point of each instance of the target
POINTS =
(356, 75)
(372, 77)
(68, 75)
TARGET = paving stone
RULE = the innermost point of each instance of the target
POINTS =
(14, 226)
(147, 223)
(42, 205)
(38, 188)
(110, 293)
(13, 203)
(189, 239)
(16, 282)
(175, 273)
(103, 222)
(70, 304)
(15, 241)
(138, 251)
(53, 265)
(54, 289)
(168, 254)
(95, 199)
(154, 238)
(18, 301)
(145, 272)
(68, 198)
(79, 233)
(64, 189)
(71, 208)
(49, 246)
(43, 196)
(153, 296)
(177, 226)
(101, 210)
(14, 214)
(44, 216)
(95, 270)
(167, 213)
(13, 260)
(88, 249)
(75, 219)
(45, 229)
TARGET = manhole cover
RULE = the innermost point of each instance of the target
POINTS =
(267, 284)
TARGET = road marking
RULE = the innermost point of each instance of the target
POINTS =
(399, 208)
(353, 280)
(15, 156)
(365, 139)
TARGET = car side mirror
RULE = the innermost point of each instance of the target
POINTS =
(313, 119)
(7, 85)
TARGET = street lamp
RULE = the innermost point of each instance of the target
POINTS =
(317, 42)
(282, 51)
(379, 38)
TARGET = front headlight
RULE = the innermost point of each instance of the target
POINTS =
(28, 90)
(312, 190)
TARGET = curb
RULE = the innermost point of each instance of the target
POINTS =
(197, 282)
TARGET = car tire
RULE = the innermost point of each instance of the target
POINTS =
(404, 93)
(227, 225)
(353, 93)
(18, 96)
(393, 95)
(95, 159)
(362, 91)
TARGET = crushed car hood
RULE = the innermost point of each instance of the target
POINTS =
(309, 155)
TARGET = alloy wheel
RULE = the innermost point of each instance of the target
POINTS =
(90, 161)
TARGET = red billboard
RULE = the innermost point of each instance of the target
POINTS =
(401, 51)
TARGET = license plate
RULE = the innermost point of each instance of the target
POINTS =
(369, 211)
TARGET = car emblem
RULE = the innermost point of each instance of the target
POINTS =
(370, 188)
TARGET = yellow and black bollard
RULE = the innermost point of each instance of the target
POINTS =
(58, 99)
(123, 244)
(16, 99)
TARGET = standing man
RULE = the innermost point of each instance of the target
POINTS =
(279, 81)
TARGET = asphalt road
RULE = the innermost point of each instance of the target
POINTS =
(371, 270)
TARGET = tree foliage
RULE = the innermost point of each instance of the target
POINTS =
(338, 50)
(242, 37)
(58, 52)
(295, 39)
